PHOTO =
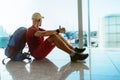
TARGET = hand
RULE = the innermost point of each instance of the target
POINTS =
(62, 30)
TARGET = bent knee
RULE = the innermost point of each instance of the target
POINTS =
(52, 38)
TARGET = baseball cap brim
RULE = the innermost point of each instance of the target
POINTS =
(37, 16)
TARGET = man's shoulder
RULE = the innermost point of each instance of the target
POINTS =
(31, 28)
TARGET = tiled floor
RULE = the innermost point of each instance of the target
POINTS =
(100, 65)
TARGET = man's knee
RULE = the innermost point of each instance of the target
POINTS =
(52, 38)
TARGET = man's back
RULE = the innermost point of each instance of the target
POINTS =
(32, 41)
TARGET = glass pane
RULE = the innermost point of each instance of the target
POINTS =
(105, 20)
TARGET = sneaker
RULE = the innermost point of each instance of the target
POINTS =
(80, 50)
(78, 57)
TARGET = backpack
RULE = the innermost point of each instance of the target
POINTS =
(16, 44)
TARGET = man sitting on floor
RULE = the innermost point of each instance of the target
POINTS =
(40, 47)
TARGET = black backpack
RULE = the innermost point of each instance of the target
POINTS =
(16, 44)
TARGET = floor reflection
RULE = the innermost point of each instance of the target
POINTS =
(73, 71)
(36, 70)
(59, 67)
(44, 70)
(17, 70)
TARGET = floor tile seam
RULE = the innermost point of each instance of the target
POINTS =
(113, 63)
(95, 74)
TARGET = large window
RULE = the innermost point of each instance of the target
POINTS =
(18, 13)
(104, 20)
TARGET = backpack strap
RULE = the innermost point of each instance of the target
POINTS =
(3, 61)
(24, 55)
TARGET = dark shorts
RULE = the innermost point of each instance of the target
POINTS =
(43, 50)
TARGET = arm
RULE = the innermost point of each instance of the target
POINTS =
(49, 32)
(45, 33)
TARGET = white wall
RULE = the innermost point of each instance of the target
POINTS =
(16, 13)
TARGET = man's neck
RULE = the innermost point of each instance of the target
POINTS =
(36, 26)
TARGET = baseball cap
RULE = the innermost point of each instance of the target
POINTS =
(37, 16)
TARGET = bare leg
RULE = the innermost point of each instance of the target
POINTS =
(78, 49)
(60, 43)
(66, 42)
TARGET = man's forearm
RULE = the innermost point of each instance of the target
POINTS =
(46, 33)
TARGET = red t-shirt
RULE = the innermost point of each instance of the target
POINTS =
(33, 41)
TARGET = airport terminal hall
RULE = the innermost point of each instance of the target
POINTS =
(60, 40)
